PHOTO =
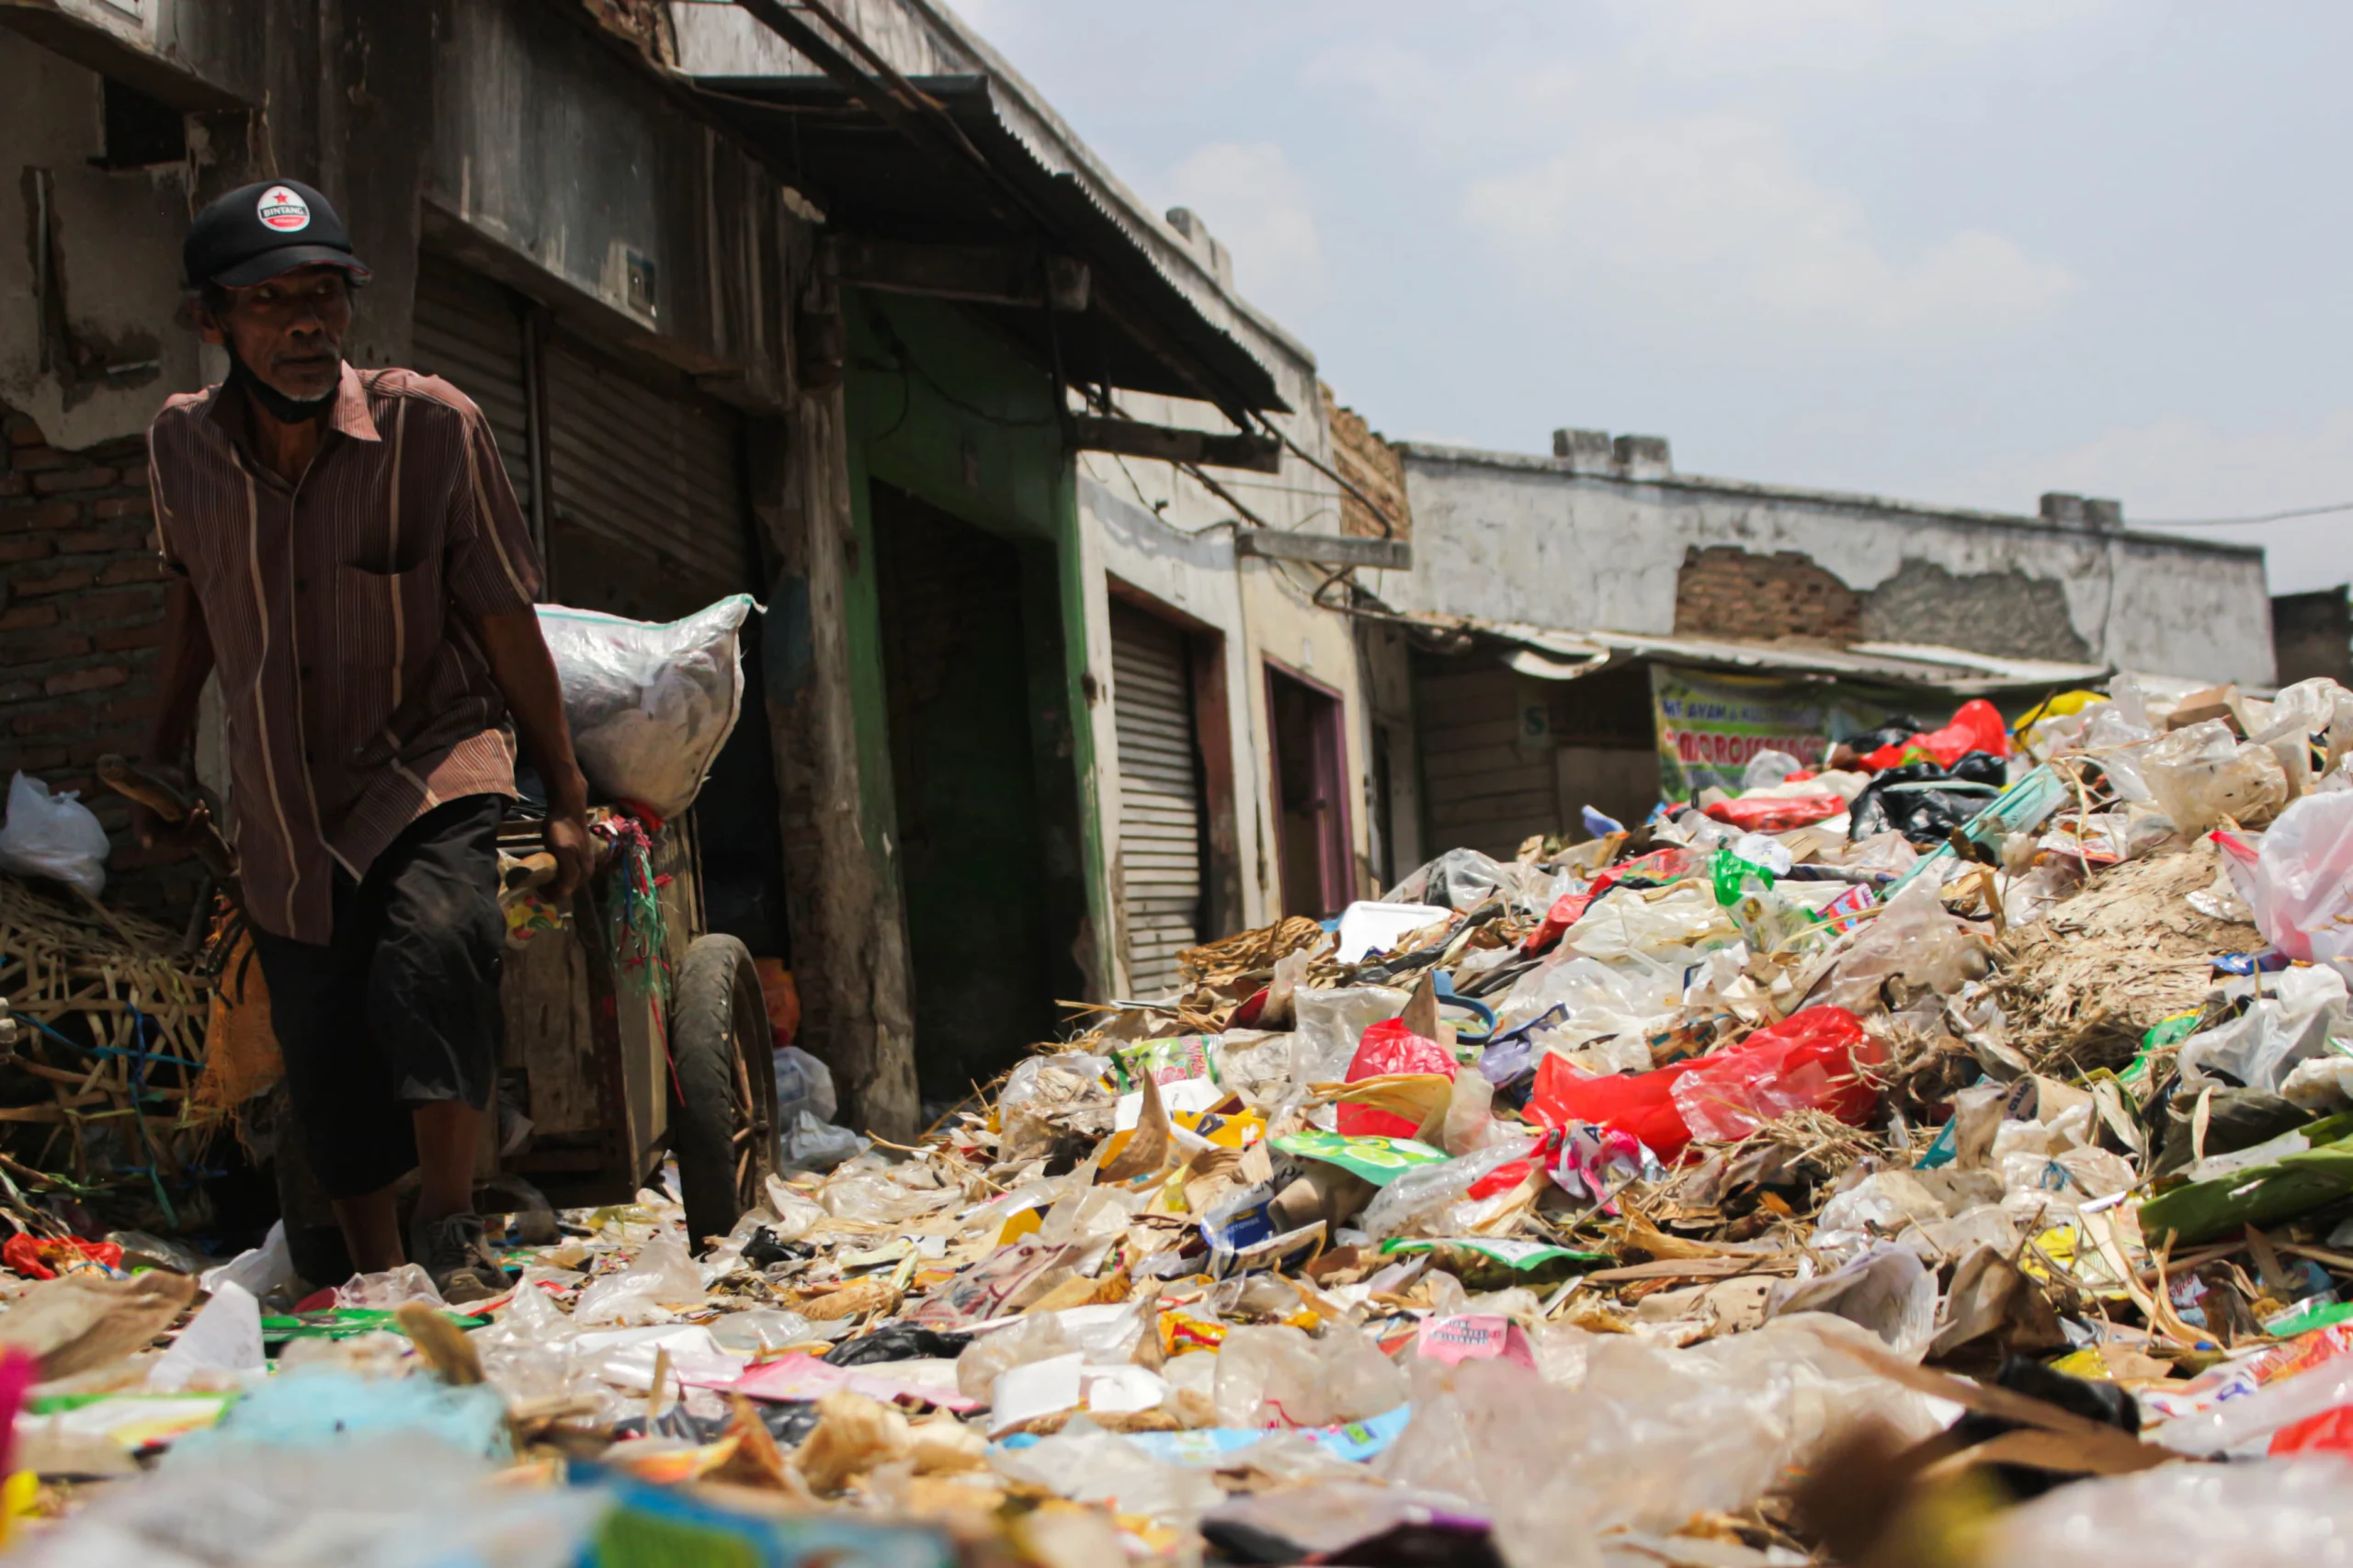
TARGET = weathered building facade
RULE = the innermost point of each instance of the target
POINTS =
(824, 306)
(1601, 564)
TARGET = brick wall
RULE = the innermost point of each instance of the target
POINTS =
(1724, 591)
(1372, 465)
(81, 614)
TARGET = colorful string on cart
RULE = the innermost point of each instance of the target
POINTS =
(636, 931)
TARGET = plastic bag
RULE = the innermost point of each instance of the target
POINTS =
(1768, 767)
(1426, 1201)
(2240, 1516)
(663, 1276)
(1330, 1023)
(52, 836)
(1810, 1061)
(1911, 946)
(2261, 1046)
(1278, 1377)
(648, 705)
(1887, 1290)
(1976, 726)
(808, 1142)
(1647, 1438)
(2300, 884)
(2202, 773)
(1390, 1047)
(803, 1083)
(1769, 813)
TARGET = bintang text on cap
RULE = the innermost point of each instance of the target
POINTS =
(258, 232)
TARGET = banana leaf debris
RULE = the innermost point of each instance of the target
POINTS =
(1806, 1174)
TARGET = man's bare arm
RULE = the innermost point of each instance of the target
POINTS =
(520, 664)
(186, 661)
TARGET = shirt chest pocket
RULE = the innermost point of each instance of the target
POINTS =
(387, 621)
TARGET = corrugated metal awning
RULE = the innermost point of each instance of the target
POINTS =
(1557, 653)
(1140, 330)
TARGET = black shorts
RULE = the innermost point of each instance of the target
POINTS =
(401, 1008)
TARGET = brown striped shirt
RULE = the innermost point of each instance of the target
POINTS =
(358, 699)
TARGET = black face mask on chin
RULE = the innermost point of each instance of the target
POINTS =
(285, 410)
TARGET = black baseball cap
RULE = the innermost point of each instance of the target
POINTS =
(256, 232)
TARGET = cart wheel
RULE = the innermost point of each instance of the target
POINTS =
(722, 1109)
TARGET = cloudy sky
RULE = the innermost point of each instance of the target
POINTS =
(1962, 252)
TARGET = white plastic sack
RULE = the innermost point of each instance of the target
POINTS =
(52, 836)
(649, 706)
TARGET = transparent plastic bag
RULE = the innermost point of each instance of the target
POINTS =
(2240, 1516)
(1422, 1200)
(1279, 1377)
(1912, 942)
(1767, 768)
(2300, 882)
(53, 835)
(2259, 1048)
(1461, 880)
(661, 1280)
(1330, 1023)
(1645, 1438)
(803, 1083)
(2202, 773)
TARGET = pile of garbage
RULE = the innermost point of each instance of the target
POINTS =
(1943, 1152)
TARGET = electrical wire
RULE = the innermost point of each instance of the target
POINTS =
(2240, 522)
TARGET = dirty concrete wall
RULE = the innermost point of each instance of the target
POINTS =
(558, 165)
(2312, 634)
(1535, 539)
(105, 351)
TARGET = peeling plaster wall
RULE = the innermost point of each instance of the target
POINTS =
(113, 352)
(1514, 538)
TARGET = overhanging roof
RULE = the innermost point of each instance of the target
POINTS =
(1140, 330)
(1551, 653)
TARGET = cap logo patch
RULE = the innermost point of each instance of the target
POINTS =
(284, 210)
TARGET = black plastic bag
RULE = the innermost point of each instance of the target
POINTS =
(899, 1342)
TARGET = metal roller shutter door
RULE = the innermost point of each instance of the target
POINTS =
(469, 332)
(1160, 797)
(657, 471)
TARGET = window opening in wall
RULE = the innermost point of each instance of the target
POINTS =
(140, 131)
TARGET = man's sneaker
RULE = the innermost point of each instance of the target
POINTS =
(454, 1253)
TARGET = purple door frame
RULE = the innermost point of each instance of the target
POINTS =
(1327, 770)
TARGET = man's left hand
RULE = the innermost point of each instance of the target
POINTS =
(569, 840)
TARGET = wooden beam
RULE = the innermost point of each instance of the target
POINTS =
(996, 274)
(1324, 549)
(1134, 438)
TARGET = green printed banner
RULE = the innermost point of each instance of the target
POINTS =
(1710, 726)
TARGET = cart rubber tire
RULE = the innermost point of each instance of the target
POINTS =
(720, 1049)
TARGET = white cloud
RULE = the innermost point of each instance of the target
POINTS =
(2182, 467)
(1710, 223)
(1262, 211)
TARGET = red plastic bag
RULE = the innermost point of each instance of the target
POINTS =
(1639, 1103)
(1976, 727)
(1808, 1061)
(1654, 869)
(45, 1260)
(2330, 1432)
(1386, 1047)
(1777, 814)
